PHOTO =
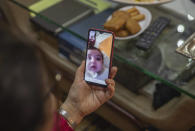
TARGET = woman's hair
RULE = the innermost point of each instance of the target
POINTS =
(21, 85)
(94, 48)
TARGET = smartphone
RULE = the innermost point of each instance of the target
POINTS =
(99, 55)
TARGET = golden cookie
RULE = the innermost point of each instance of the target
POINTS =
(133, 26)
(138, 17)
(122, 33)
(134, 13)
(131, 10)
(114, 24)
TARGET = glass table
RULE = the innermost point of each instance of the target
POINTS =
(161, 62)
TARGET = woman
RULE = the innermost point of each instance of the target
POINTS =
(26, 100)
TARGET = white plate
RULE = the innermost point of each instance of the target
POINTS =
(143, 3)
(144, 23)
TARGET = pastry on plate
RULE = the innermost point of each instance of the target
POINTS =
(132, 26)
(125, 22)
(122, 33)
(117, 21)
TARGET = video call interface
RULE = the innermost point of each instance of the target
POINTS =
(99, 48)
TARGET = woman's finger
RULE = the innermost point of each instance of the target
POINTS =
(113, 72)
(111, 88)
(80, 71)
(110, 82)
(110, 92)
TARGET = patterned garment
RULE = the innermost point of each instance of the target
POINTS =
(61, 124)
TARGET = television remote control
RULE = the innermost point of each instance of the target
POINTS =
(153, 31)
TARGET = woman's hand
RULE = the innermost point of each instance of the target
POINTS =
(84, 98)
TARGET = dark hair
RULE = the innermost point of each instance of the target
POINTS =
(94, 48)
(21, 86)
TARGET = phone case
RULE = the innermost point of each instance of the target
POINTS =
(111, 56)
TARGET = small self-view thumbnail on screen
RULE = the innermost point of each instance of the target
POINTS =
(99, 48)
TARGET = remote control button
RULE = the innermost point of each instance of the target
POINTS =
(153, 31)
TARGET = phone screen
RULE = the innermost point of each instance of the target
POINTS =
(98, 56)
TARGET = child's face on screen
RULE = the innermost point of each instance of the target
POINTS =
(94, 60)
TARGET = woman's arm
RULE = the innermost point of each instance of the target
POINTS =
(84, 98)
